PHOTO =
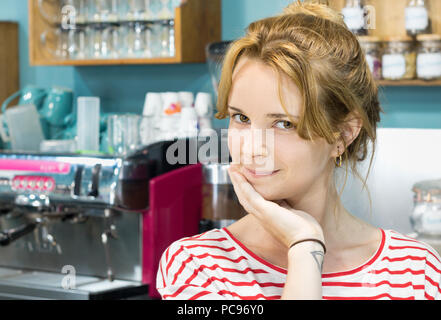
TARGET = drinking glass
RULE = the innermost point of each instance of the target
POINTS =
(50, 10)
(103, 10)
(147, 130)
(104, 41)
(77, 43)
(135, 39)
(123, 133)
(73, 12)
(81, 11)
(55, 41)
(153, 8)
(136, 10)
(153, 40)
(166, 11)
(167, 38)
(88, 123)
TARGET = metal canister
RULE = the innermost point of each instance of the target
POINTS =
(220, 205)
(426, 215)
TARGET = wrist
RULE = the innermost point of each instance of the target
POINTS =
(316, 237)
(305, 247)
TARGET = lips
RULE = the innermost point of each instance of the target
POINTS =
(260, 174)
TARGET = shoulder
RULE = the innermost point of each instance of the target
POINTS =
(417, 258)
(399, 243)
(189, 266)
(202, 249)
(214, 239)
(195, 260)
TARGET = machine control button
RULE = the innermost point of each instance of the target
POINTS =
(37, 183)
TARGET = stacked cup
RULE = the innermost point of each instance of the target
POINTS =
(204, 108)
(150, 120)
(171, 115)
(188, 126)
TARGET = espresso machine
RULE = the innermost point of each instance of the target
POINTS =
(92, 227)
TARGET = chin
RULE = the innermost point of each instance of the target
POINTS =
(268, 192)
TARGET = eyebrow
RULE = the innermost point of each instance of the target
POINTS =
(269, 115)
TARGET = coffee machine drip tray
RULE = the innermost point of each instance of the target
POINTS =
(30, 285)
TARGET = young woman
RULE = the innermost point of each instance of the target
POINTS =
(301, 79)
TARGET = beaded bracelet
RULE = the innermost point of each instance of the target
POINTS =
(314, 240)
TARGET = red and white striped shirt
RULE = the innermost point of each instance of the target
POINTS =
(215, 265)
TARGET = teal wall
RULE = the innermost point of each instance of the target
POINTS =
(122, 88)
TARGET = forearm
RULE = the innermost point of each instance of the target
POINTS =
(304, 278)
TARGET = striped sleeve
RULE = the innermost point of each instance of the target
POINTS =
(181, 277)
(432, 287)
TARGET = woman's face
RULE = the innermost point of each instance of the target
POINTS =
(285, 165)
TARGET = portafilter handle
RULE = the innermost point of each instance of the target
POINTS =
(105, 236)
(8, 236)
(5, 210)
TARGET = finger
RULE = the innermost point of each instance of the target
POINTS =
(243, 197)
(249, 197)
(265, 210)
(244, 192)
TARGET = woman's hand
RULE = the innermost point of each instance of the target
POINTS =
(282, 221)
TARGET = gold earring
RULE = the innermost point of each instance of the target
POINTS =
(338, 160)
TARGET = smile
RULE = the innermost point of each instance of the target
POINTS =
(260, 174)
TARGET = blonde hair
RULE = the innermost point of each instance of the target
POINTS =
(310, 43)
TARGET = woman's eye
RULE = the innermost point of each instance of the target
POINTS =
(243, 120)
(285, 125)
(240, 118)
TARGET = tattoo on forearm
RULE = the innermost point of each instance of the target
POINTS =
(318, 257)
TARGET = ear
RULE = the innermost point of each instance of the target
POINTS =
(350, 130)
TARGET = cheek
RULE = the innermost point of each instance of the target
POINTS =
(301, 163)
(305, 164)
(233, 147)
(288, 152)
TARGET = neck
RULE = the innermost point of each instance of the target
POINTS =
(323, 203)
(339, 226)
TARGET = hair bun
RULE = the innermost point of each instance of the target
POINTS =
(314, 8)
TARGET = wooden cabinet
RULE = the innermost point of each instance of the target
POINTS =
(197, 23)
(390, 21)
(9, 79)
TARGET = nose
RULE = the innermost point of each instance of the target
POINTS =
(251, 146)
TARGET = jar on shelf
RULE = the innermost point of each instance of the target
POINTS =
(372, 47)
(399, 58)
(417, 17)
(353, 13)
(426, 215)
(429, 56)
